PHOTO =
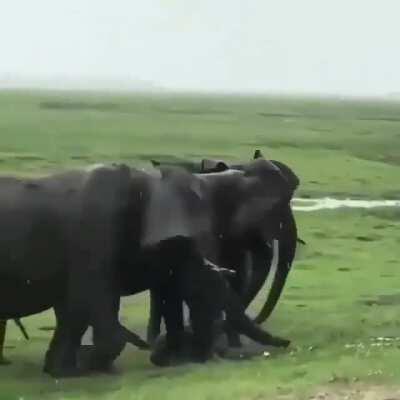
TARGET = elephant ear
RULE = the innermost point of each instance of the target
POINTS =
(175, 207)
(254, 204)
(288, 173)
(208, 165)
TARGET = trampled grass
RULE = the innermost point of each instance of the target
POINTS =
(343, 292)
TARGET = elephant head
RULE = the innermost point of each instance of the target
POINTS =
(280, 220)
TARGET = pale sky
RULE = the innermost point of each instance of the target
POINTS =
(345, 47)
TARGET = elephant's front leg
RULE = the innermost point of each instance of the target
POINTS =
(108, 337)
(87, 303)
(61, 357)
(3, 327)
(240, 283)
(154, 324)
(172, 311)
(203, 297)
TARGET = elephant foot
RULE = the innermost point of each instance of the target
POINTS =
(151, 337)
(234, 340)
(163, 356)
(61, 363)
(4, 362)
(91, 361)
(278, 342)
(62, 371)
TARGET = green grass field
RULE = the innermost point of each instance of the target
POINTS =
(344, 290)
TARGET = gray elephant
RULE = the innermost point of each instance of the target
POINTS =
(251, 253)
(261, 256)
(78, 241)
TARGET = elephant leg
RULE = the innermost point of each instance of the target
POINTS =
(3, 327)
(203, 332)
(240, 284)
(172, 311)
(232, 335)
(108, 337)
(154, 324)
(101, 355)
(203, 300)
(99, 308)
(61, 357)
(94, 298)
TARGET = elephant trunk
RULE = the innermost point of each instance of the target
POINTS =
(237, 318)
(286, 253)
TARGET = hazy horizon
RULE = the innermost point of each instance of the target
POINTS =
(341, 48)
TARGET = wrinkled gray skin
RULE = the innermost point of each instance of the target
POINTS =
(78, 241)
(250, 257)
(48, 258)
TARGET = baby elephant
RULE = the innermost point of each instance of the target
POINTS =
(162, 356)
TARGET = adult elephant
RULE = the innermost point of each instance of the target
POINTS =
(250, 208)
(236, 254)
(262, 255)
(45, 243)
(78, 241)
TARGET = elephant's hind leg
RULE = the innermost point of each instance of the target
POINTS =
(3, 327)
(61, 357)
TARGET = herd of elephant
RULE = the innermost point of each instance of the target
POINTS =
(199, 234)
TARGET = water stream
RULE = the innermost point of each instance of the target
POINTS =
(328, 203)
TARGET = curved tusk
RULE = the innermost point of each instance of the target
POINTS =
(215, 267)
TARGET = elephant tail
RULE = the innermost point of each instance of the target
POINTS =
(22, 328)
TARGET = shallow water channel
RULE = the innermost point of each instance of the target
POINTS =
(328, 203)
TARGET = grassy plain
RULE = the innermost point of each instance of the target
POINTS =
(343, 292)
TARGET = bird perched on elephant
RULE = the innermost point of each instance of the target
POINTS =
(78, 241)
(250, 253)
